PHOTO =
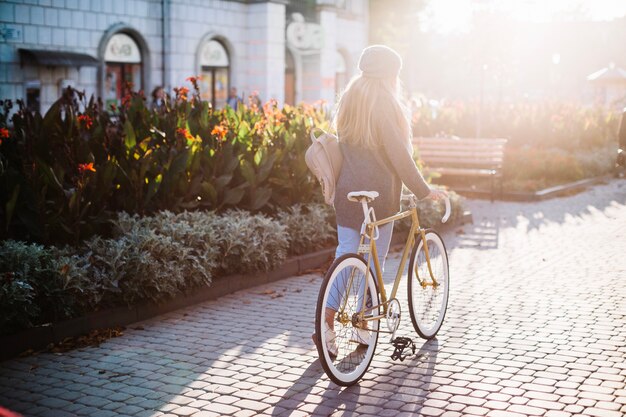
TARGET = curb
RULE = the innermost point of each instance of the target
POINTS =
(40, 337)
(540, 195)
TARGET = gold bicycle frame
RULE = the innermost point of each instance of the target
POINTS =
(371, 248)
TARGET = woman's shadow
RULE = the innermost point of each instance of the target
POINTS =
(346, 399)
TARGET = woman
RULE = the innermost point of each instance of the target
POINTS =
(375, 138)
(158, 99)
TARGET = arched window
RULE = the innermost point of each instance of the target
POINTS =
(341, 72)
(214, 73)
(123, 68)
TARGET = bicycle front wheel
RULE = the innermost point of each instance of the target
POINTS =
(345, 345)
(428, 301)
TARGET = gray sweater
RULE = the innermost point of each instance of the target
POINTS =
(383, 170)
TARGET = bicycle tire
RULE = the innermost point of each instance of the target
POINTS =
(427, 321)
(353, 359)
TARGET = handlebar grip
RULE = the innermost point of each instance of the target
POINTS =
(446, 216)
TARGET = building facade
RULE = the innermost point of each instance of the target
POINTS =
(292, 51)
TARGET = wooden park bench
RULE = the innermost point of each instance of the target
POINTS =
(463, 157)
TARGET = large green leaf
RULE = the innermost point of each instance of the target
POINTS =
(248, 172)
(223, 180)
(233, 196)
(49, 174)
(10, 205)
(261, 196)
(208, 191)
(130, 140)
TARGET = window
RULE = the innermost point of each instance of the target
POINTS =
(123, 68)
(214, 73)
(33, 95)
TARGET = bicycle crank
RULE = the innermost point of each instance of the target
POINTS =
(393, 317)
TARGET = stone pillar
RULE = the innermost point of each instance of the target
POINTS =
(327, 64)
(266, 49)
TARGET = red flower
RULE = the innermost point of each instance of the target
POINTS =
(82, 168)
(4, 134)
(192, 80)
(85, 120)
(126, 100)
(183, 132)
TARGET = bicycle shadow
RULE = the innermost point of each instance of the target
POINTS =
(331, 400)
(416, 373)
(413, 378)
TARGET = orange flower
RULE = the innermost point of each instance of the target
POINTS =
(220, 131)
(181, 93)
(192, 79)
(85, 120)
(185, 133)
(260, 125)
(82, 168)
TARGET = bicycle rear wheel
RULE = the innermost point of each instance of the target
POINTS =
(428, 303)
(346, 351)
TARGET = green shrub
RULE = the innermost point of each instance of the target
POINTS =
(17, 304)
(250, 242)
(143, 266)
(309, 227)
(75, 273)
(30, 287)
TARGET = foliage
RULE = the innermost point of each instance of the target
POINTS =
(64, 175)
(549, 142)
(250, 242)
(148, 259)
(309, 227)
(430, 212)
(530, 169)
(30, 286)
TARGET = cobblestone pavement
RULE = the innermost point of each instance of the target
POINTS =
(536, 325)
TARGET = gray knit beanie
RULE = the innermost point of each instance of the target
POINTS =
(380, 61)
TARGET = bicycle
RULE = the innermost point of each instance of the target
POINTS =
(347, 348)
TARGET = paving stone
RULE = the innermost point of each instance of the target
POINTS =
(505, 349)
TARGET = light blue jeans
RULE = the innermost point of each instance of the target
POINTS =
(349, 243)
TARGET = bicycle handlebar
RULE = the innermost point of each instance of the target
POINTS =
(446, 200)
(446, 216)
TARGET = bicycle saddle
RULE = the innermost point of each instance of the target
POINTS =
(357, 196)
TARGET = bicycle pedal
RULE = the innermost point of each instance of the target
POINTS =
(401, 344)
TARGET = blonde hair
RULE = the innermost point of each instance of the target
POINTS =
(364, 104)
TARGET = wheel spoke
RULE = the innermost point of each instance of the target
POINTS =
(342, 290)
(427, 305)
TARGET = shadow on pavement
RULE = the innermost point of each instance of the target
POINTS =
(490, 218)
(332, 399)
(411, 381)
